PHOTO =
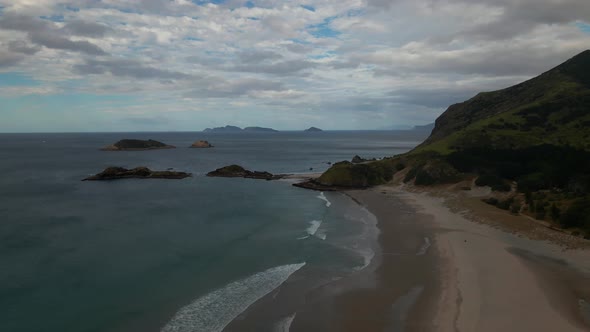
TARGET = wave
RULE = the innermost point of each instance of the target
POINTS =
(284, 324)
(313, 227)
(312, 230)
(324, 198)
(214, 311)
(424, 247)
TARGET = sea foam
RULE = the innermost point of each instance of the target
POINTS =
(424, 247)
(214, 311)
(313, 227)
(324, 198)
(284, 324)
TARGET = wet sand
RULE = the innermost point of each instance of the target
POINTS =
(434, 269)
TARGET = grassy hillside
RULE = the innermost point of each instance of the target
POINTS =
(553, 108)
(534, 136)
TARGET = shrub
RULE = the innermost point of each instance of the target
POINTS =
(554, 212)
(577, 215)
(492, 201)
(532, 182)
(539, 210)
(505, 205)
(515, 208)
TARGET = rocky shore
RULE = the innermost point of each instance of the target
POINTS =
(115, 173)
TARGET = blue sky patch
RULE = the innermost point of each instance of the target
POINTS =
(323, 29)
(72, 8)
(250, 4)
(54, 18)
(355, 12)
(585, 27)
(203, 3)
(17, 79)
(310, 8)
(328, 54)
(194, 39)
(299, 41)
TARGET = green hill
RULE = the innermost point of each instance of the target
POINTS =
(534, 136)
(553, 108)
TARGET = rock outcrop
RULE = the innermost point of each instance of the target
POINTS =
(201, 144)
(236, 171)
(115, 173)
(137, 145)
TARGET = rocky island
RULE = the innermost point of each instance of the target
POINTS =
(137, 145)
(236, 171)
(115, 173)
(313, 130)
(201, 144)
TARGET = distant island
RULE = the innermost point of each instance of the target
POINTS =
(313, 130)
(234, 129)
(116, 173)
(137, 145)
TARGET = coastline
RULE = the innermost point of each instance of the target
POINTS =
(481, 277)
(439, 265)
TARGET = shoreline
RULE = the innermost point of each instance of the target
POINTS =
(487, 276)
(441, 266)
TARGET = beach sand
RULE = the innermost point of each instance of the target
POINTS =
(491, 279)
(443, 261)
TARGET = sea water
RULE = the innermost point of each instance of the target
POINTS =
(169, 255)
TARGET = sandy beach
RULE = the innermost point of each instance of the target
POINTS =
(483, 276)
(444, 261)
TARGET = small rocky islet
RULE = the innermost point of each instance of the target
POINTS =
(137, 145)
(116, 173)
(201, 144)
(236, 171)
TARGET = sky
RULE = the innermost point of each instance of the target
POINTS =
(180, 65)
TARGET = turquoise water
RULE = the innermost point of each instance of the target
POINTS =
(128, 255)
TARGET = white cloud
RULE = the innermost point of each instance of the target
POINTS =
(367, 61)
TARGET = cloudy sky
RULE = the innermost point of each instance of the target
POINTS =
(119, 65)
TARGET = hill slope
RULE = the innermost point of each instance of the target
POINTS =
(533, 137)
(553, 108)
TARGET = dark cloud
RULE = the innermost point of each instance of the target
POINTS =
(22, 23)
(381, 3)
(205, 61)
(258, 56)
(127, 68)
(298, 48)
(521, 17)
(284, 68)
(511, 60)
(19, 46)
(88, 29)
(43, 33)
(8, 59)
(51, 40)
(235, 88)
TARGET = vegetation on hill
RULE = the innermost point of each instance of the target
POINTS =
(535, 135)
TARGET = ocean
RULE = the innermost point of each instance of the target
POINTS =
(173, 255)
